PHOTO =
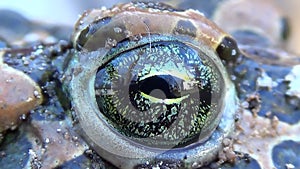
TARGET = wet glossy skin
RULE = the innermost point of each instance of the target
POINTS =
(50, 127)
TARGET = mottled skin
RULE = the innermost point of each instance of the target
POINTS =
(48, 137)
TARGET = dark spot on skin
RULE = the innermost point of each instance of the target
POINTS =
(285, 28)
(185, 27)
(90, 31)
(228, 49)
(98, 24)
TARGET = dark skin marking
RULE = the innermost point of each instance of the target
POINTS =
(89, 31)
(228, 49)
(185, 27)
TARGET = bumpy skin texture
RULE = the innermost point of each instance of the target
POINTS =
(48, 137)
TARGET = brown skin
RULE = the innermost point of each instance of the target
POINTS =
(140, 21)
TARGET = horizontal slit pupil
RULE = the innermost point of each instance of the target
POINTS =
(165, 92)
(159, 87)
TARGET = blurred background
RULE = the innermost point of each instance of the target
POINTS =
(66, 12)
(55, 11)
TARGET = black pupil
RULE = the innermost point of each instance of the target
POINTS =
(162, 87)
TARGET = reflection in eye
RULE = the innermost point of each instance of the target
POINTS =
(167, 92)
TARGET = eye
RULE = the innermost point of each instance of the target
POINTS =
(145, 92)
(153, 90)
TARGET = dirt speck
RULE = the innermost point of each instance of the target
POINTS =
(254, 103)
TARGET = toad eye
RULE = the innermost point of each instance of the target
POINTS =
(152, 89)
(145, 92)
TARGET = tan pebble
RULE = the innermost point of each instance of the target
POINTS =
(275, 122)
(17, 97)
(226, 142)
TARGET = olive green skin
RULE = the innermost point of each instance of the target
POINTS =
(55, 57)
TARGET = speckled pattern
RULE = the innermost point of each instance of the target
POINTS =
(267, 123)
(117, 70)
